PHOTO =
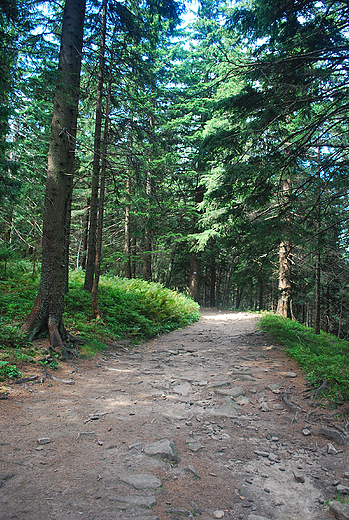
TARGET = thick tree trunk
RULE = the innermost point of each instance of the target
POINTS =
(91, 250)
(47, 311)
(283, 308)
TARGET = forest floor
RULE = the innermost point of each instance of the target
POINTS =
(208, 421)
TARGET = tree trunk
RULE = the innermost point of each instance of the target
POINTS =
(85, 237)
(283, 308)
(194, 277)
(213, 283)
(47, 312)
(91, 250)
(98, 260)
(147, 237)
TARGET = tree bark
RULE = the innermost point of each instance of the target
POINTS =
(47, 312)
(194, 277)
(94, 291)
(284, 280)
(91, 250)
(147, 273)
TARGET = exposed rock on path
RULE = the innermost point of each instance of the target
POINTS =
(207, 421)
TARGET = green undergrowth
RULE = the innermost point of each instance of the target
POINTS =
(322, 357)
(132, 310)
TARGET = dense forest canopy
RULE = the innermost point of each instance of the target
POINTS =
(208, 155)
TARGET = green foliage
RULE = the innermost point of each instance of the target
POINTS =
(7, 370)
(132, 309)
(320, 356)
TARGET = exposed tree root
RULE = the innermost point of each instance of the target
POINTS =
(59, 380)
(331, 434)
(290, 405)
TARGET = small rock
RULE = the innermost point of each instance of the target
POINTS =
(306, 432)
(291, 374)
(264, 406)
(39, 448)
(218, 514)
(44, 440)
(273, 387)
(273, 457)
(183, 389)
(267, 490)
(331, 449)
(193, 445)
(346, 474)
(278, 406)
(298, 477)
(344, 490)
(165, 449)
(242, 400)
(261, 453)
(340, 511)
(192, 470)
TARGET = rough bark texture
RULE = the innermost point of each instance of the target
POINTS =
(283, 308)
(91, 249)
(47, 311)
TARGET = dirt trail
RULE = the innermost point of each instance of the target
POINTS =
(230, 446)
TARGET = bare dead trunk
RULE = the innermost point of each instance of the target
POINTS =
(284, 280)
(91, 250)
(47, 312)
(85, 238)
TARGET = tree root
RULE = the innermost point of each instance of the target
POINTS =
(58, 379)
(291, 406)
(312, 393)
(331, 434)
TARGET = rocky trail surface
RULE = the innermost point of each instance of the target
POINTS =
(210, 422)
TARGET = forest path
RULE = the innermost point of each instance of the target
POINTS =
(212, 393)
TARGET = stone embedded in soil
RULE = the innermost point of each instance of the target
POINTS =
(228, 409)
(142, 481)
(44, 440)
(164, 449)
(182, 389)
(291, 374)
(241, 400)
(135, 500)
(218, 514)
(193, 471)
(193, 445)
(343, 489)
(298, 477)
(236, 391)
(273, 387)
(262, 453)
(339, 511)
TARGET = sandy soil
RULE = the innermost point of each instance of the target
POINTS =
(244, 449)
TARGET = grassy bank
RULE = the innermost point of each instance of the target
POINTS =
(132, 310)
(322, 357)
